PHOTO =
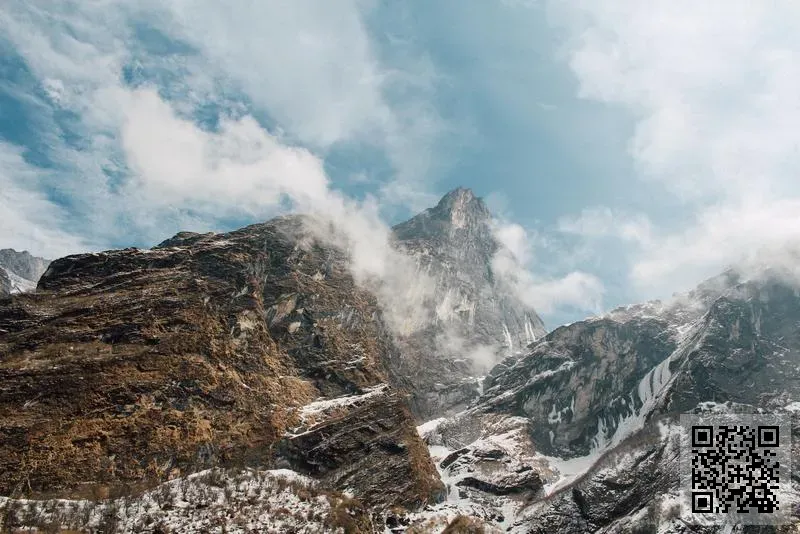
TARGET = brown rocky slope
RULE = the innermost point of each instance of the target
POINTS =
(127, 368)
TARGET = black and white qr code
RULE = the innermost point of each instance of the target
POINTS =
(736, 466)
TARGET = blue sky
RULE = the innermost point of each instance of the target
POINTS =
(628, 150)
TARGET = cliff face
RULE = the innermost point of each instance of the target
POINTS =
(593, 408)
(5, 283)
(471, 320)
(23, 263)
(127, 368)
(19, 271)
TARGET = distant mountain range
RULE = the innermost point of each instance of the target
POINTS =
(19, 271)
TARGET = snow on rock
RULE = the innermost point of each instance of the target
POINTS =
(487, 466)
(214, 501)
(793, 407)
(19, 284)
(321, 409)
(425, 429)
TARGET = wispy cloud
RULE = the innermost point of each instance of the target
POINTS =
(713, 89)
(513, 264)
(30, 221)
(132, 77)
(604, 222)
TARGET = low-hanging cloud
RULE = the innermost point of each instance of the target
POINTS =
(511, 262)
(243, 167)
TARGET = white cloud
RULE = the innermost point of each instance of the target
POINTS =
(240, 167)
(312, 67)
(604, 222)
(309, 63)
(578, 290)
(30, 221)
(741, 233)
(713, 88)
(514, 238)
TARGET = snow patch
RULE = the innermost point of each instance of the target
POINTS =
(430, 426)
(509, 342)
(792, 407)
(19, 284)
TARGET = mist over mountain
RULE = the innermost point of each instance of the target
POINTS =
(268, 376)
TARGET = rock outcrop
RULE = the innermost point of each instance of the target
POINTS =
(5, 283)
(128, 368)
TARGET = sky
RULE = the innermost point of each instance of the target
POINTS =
(629, 149)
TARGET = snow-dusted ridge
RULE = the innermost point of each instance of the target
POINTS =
(315, 412)
(213, 501)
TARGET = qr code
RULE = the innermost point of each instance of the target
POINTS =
(736, 466)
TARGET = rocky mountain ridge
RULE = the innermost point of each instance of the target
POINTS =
(128, 368)
(250, 350)
(245, 382)
(472, 321)
(19, 271)
(593, 410)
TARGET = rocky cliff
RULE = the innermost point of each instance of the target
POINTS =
(248, 349)
(252, 350)
(5, 283)
(471, 321)
(592, 410)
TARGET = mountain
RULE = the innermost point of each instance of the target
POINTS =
(244, 382)
(247, 350)
(471, 320)
(252, 352)
(579, 434)
(19, 271)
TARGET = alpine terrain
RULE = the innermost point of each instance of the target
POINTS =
(19, 271)
(247, 382)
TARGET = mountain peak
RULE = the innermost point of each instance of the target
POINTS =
(458, 211)
(462, 208)
(459, 194)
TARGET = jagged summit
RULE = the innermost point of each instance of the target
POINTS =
(459, 212)
(460, 206)
(453, 244)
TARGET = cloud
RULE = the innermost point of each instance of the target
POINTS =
(312, 69)
(746, 233)
(316, 69)
(30, 221)
(604, 222)
(514, 240)
(311, 64)
(510, 264)
(145, 166)
(239, 167)
(712, 88)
